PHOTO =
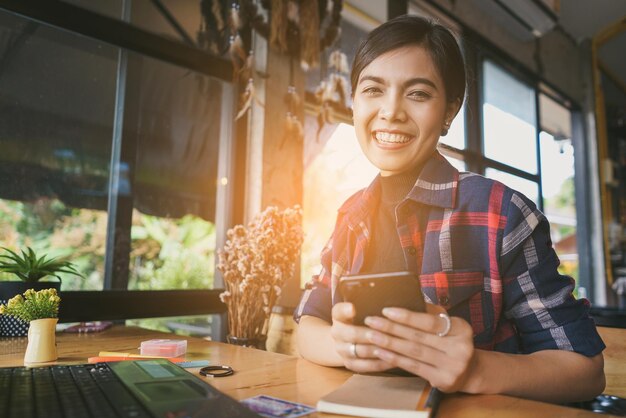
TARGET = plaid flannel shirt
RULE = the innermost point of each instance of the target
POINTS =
(482, 251)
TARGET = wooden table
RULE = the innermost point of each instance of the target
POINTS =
(287, 377)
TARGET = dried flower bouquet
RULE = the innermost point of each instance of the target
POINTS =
(255, 262)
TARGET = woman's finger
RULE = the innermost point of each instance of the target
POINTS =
(367, 365)
(438, 377)
(407, 348)
(409, 332)
(343, 312)
(347, 333)
(420, 320)
(440, 325)
(398, 330)
(360, 350)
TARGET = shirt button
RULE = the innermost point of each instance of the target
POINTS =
(411, 250)
(444, 300)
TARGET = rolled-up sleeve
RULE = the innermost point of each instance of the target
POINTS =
(317, 297)
(537, 298)
(315, 301)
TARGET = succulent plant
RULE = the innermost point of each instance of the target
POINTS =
(31, 268)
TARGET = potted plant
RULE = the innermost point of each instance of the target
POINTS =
(29, 268)
(256, 260)
(40, 310)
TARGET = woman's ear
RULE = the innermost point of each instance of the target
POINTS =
(452, 109)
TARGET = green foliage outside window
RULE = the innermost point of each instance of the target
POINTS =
(165, 253)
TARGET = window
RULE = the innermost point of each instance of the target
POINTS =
(112, 156)
(509, 119)
(529, 188)
(337, 171)
(509, 131)
(57, 123)
(557, 181)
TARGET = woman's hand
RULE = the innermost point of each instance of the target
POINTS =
(409, 340)
(351, 342)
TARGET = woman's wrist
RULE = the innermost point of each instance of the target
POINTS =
(484, 376)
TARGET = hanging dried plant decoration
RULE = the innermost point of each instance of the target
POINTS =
(309, 34)
(248, 96)
(293, 129)
(333, 30)
(278, 31)
(211, 35)
(237, 53)
(223, 19)
(296, 24)
(333, 89)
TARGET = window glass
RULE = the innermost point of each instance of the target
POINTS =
(57, 108)
(557, 174)
(176, 135)
(57, 105)
(509, 119)
(528, 188)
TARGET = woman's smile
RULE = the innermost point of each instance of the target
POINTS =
(392, 139)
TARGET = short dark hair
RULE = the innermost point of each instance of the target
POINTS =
(409, 30)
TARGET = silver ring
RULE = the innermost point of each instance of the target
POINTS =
(448, 325)
(353, 350)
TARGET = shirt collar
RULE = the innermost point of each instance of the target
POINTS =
(436, 185)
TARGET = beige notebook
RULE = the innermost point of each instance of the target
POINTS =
(382, 397)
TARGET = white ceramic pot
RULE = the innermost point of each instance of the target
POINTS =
(41, 341)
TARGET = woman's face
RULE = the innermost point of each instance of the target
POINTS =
(400, 108)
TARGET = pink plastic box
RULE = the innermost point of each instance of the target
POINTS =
(163, 348)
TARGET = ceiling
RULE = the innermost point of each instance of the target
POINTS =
(583, 19)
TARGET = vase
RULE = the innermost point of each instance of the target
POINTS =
(41, 341)
(255, 342)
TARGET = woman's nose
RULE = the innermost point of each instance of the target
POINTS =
(392, 110)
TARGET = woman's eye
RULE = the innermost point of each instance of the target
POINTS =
(419, 95)
(371, 90)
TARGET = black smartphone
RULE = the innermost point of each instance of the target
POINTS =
(370, 293)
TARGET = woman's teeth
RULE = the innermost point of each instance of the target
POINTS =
(391, 138)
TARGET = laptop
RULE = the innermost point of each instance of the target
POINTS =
(152, 388)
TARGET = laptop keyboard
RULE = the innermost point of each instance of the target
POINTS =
(79, 391)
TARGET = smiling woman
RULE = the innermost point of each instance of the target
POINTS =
(481, 249)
